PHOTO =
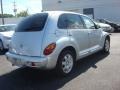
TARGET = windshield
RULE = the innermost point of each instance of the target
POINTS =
(35, 22)
(7, 28)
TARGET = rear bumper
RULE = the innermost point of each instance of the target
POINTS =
(19, 60)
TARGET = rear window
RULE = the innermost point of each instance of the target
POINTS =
(32, 23)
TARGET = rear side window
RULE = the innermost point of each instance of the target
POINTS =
(70, 21)
(32, 23)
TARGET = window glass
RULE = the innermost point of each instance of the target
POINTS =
(88, 22)
(62, 22)
(32, 23)
(70, 21)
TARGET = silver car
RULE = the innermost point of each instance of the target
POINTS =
(6, 32)
(56, 39)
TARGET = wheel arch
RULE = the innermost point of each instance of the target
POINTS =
(103, 38)
(71, 48)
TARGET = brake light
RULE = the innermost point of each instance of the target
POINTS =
(49, 49)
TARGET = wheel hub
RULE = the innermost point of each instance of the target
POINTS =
(67, 63)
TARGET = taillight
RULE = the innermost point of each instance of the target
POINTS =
(49, 49)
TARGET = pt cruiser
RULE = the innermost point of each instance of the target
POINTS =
(56, 39)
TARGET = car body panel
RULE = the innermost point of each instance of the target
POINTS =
(28, 43)
(80, 36)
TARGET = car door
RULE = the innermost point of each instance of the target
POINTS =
(93, 32)
(77, 32)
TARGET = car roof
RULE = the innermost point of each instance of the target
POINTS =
(61, 12)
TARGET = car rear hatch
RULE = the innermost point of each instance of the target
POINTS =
(28, 36)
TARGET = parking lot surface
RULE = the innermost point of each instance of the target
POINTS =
(96, 72)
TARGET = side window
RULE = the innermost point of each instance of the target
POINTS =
(62, 22)
(70, 21)
(88, 22)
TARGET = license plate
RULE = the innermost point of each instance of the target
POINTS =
(17, 61)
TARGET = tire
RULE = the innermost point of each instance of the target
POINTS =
(106, 48)
(65, 63)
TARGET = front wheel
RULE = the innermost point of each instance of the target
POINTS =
(65, 63)
(106, 47)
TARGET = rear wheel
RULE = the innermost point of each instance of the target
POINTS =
(65, 63)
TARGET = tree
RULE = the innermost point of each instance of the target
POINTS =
(23, 13)
(6, 15)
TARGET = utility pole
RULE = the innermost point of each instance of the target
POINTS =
(2, 12)
(15, 9)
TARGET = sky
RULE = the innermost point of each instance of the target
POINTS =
(33, 6)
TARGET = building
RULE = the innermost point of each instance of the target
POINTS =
(98, 9)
